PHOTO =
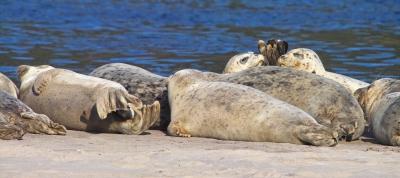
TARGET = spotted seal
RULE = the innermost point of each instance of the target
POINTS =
(325, 100)
(307, 60)
(244, 61)
(147, 86)
(230, 111)
(16, 119)
(82, 102)
(381, 104)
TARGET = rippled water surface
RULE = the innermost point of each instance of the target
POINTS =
(361, 40)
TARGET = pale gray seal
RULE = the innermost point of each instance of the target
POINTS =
(325, 100)
(230, 111)
(269, 54)
(307, 60)
(16, 119)
(6, 85)
(139, 82)
(82, 102)
(381, 104)
(244, 61)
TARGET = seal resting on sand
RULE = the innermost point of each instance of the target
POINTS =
(307, 60)
(16, 119)
(230, 111)
(141, 83)
(6, 85)
(82, 102)
(325, 100)
(381, 104)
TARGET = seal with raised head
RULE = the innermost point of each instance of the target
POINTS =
(230, 111)
(16, 119)
(325, 100)
(269, 54)
(82, 102)
(307, 60)
(147, 86)
(6, 85)
(244, 61)
(381, 104)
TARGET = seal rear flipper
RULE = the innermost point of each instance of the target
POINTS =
(9, 132)
(114, 99)
(318, 136)
(43, 79)
(39, 123)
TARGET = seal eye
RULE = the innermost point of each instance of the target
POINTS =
(244, 60)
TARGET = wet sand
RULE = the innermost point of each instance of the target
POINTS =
(82, 154)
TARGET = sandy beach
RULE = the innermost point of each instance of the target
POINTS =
(82, 154)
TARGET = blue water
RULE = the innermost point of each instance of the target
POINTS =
(359, 39)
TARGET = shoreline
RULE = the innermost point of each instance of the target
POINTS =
(156, 155)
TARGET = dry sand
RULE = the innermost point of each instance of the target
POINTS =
(81, 154)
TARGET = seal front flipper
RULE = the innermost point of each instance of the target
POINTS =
(43, 79)
(40, 123)
(114, 99)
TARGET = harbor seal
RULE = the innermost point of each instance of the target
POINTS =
(381, 104)
(82, 102)
(244, 61)
(16, 119)
(269, 54)
(230, 111)
(139, 82)
(307, 60)
(6, 85)
(325, 100)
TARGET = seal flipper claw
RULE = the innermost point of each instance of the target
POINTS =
(176, 129)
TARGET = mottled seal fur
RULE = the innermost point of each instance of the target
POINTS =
(82, 102)
(325, 100)
(141, 83)
(244, 61)
(16, 119)
(230, 111)
(381, 104)
(6, 85)
(307, 60)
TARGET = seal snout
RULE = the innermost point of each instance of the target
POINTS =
(347, 131)
(22, 70)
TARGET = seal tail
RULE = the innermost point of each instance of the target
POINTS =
(114, 99)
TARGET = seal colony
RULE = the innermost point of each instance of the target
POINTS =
(235, 112)
(286, 103)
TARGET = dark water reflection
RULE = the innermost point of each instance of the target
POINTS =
(361, 40)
